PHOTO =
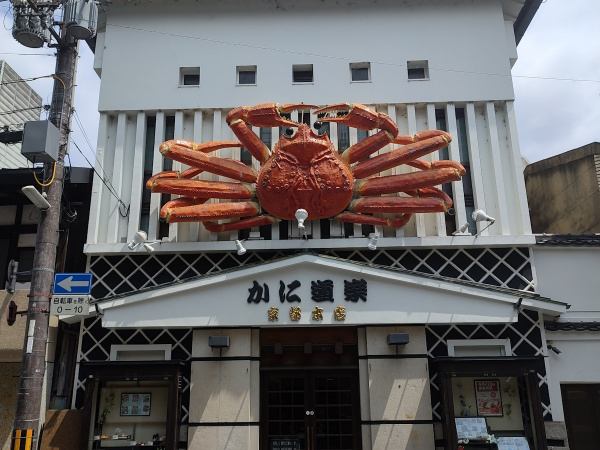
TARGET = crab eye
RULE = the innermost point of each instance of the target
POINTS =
(317, 125)
(289, 132)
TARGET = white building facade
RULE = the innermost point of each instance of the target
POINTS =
(315, 341)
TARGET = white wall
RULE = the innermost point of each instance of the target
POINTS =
(145, 47)
(570, 275)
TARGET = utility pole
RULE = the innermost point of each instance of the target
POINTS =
(33, 366)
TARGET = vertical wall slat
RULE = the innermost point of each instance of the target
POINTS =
(391, 111)
(440, 221)
(197, 231)
(157, 166)
(116, 209)
(412, 129)
(137, 178)
(176, 228)
(518, 168)
(98, 186)
(217, 117)
(502, 222)
(454, 153)
(474, 159)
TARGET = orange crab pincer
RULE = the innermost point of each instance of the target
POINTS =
(305, 171)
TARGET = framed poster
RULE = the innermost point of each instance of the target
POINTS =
(135, 403)
(489, 400)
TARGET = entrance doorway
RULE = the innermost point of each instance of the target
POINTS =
(309, 390)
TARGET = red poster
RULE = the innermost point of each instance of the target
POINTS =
(489, 401)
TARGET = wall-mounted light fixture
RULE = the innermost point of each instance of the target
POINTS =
(480, 216)
(301, 216)
(240, 248)
(218, 341)
(372, 244)
(37, 198)
(398, 339)
(140, 238)
(554, 349)
(462, 231)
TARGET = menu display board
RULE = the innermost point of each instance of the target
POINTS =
(135, 403)
(471, 428)
(513, 443)
(489, 400)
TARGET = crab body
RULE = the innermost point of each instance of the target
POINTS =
(305, 171)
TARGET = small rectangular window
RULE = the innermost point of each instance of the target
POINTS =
(302, 73)
(189, 76)
(360, 71)
(246, 75)
(418, 70)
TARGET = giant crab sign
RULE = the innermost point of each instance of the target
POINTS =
(305, 171)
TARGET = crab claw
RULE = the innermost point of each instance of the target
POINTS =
(266, 114)
(358, 116)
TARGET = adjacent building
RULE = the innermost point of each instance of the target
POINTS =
(19, 103)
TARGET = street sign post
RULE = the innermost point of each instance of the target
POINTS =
(71, 294)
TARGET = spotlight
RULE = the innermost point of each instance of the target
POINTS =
(301, 216)
(462, 231)
(480, 216)
(372, 245)
(240, 248)
(554, 349)
(138, 238)
(148, 247)
(38, 199)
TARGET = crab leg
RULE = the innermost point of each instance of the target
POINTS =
(242, 224)
(365, 219)
(360, 116)
(263, 115)
(427, 165)
(212, 211)
(180, 202)
(427, 202)
(203, 189)
(401, 156)
(180, 151)
(405, 182)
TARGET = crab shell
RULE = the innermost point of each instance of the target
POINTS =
(305, 171)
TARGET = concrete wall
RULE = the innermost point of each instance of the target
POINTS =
(395, 389)
(144, 49)
(564, 192)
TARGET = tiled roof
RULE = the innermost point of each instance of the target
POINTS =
(569, 240)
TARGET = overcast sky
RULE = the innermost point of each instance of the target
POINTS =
(556, 79)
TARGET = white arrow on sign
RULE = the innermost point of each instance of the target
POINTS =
(68, 283)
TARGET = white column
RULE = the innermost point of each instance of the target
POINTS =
(96, 218)
(517, 167)
(439, 219)
(454, 154)
(137, 178)
(157, 166)
(502, 223)
(475, 160)
(116, 208)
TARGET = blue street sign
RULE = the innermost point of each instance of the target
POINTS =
(72, 283)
